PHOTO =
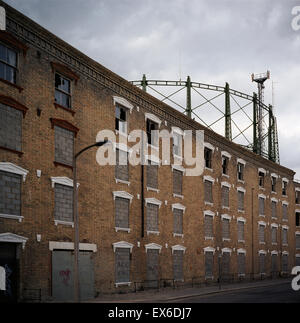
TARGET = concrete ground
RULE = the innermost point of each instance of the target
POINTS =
(209, 293)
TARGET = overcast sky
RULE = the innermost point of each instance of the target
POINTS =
(213, 41)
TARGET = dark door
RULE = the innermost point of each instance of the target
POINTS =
(9, 262)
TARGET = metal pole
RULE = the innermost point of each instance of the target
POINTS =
(188, 98)
(76, 221)
(76, 230)
(228, 130)
(270, 132)
(255, 123)
(144, 83)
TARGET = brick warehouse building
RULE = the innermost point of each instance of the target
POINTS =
(243, 212)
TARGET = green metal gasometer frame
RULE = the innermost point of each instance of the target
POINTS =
(265, 144)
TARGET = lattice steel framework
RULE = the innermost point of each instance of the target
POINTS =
(262, 117)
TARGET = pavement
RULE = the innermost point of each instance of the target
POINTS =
(166, 295)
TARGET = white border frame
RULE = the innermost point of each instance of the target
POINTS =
(14, 169)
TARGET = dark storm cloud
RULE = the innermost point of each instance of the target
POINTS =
(213, 41)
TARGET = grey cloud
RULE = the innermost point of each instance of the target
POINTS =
(217, 40)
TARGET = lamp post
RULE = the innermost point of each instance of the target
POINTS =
(75, 218)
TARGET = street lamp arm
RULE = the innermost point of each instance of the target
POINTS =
(97, 144)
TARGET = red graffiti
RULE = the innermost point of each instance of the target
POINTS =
(65, 274)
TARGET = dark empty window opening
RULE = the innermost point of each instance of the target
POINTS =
(8, 64)
(62, 91)
(240, 171)
(298, 219)
(208, 157)
(284, 188)
(261, 176)
(121, 119)
(225, 162)
(152, 127)
(273, 184)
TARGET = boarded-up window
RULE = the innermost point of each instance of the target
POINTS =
(152, 217)
(10, 128)
(178, 221)
(225, 196)
(225, 263)
(241, 263)
(284, 236)
(241, 201)
(122, 213)
(226, 228)
(241, 231)
(274, 209)
(152, 265)
(208, 196)
(284, 212)
(122, 265)
(297, 241)
(177, 182)
(262, 258)
(261, 233)
(209, 264)
(178, 264)
(208, 226)
(10, 193)
(152, 175)
(121, 169)
(285, 263)
(63, 203)
(274, 265)
(274, 235)
(64, 145)
(261, 206)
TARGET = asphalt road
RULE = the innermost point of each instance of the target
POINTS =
(282, 293)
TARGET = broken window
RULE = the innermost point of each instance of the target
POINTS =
(208, 157)
(121, 119)
(62, 91)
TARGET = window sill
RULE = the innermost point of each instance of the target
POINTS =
(262, 215)
(180, 158)
(285, 245)
(285, 220)
(273, 218)
(241, 181)
(273, 192)
(209, 238)
(12, 217)
(152, 189)
(66, 223)
(241, 211)
(153, 232)
(241, 241)
(225, 207)
(122, 229)
(177, 195)
(12, 84)
(63, 165)
(123, 284)
(209, 277)
(180, 235)
(209, 203)
(274, 243)
(20, 153)
(225, 175)
(120, 181)
(262, 188)
(226, 239)
(262, 243)
(58, 106)
(209, 169)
